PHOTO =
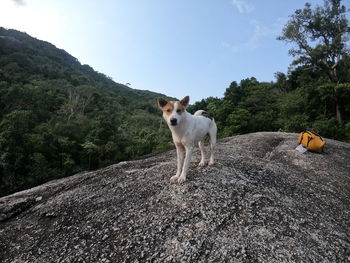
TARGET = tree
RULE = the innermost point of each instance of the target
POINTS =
(234, 93)
(15, 147)
(320, 36)
(91, 149)
(78, 99)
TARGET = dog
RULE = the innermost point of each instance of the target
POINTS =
(187, 130)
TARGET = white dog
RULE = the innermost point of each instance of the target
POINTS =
(187, 130)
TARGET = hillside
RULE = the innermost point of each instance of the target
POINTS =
(23, 55)
(58, 117)
(262, 202)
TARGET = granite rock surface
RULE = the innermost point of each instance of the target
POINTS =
(261, 202)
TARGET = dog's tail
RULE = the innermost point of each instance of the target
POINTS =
(203, 113)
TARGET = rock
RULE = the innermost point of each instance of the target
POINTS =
(261, 202)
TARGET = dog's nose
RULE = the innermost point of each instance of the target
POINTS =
(173, 121)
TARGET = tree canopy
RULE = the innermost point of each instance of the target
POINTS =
(58, 117)
(320, 36)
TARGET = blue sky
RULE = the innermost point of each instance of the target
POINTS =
(174, 47)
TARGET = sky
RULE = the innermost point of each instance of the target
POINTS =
(173, 47)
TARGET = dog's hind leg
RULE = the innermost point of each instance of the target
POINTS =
(201, 147)
(212, 135)
(180, 152)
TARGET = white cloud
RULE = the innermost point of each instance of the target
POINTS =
(243, 6)
(233, 48)
(259, 33)
(19, 2)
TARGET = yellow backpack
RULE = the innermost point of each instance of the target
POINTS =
(311, 141)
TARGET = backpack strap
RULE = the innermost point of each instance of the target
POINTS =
(319, 136)
(308, 141)
(301, 137)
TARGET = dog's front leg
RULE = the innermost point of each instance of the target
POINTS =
(186, 164)
(180, 152)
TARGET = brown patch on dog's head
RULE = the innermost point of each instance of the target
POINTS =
(166, 106)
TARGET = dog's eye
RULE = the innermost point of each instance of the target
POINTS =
(168, 110)
(178, 111)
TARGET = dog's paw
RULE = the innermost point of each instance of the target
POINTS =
(201, 164)
(174, 179)
(211, 163)
(181, 179)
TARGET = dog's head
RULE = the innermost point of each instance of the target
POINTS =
(173, 110)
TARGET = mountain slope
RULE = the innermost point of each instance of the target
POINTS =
(23, 56)
(58, 117)
(262, 202)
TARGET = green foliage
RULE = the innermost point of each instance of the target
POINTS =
(320, 37)
(58, 117)
(237, 122)
(292, 115)
(248, 107)
(261, 106)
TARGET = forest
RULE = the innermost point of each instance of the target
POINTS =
(59, 117)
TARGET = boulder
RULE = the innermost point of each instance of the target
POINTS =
(262, 201)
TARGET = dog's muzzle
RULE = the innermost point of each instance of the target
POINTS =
(173, 122)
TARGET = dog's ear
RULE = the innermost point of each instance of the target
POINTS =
(161, 102)
(185, 101)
